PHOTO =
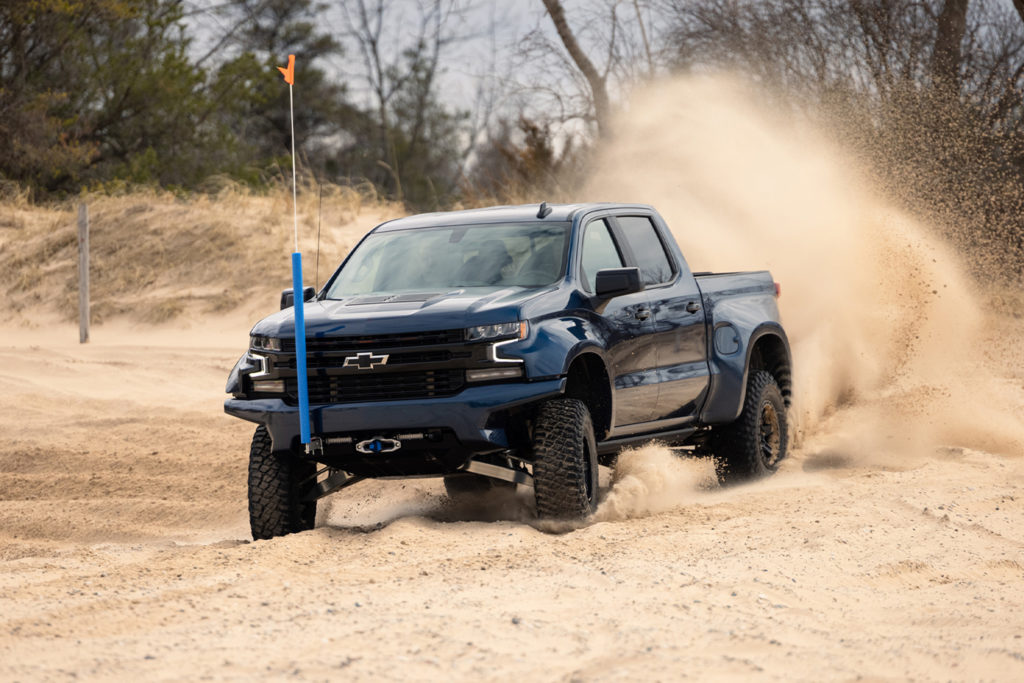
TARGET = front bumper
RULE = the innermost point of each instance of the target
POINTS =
(467, 415)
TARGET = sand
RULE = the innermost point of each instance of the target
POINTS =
(890, 545)
(125, 554)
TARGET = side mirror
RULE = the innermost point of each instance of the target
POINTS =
(617, 281)
(288, 296)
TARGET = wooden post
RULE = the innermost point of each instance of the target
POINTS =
(83, 273)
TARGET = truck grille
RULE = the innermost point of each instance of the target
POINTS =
(379, 387)
(322, 362)
(378, 341)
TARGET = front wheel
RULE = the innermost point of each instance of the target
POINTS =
(276, 507)
(753, 446)
(565, 460)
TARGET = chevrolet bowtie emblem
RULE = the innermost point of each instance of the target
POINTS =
(366, 361)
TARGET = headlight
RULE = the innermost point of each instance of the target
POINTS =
(480, 332)
(258, 341)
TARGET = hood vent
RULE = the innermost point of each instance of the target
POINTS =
(393, 298)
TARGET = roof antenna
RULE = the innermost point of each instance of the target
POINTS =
(544, 211)
(319, 213)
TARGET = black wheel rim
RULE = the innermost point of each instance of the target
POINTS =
(770, 441)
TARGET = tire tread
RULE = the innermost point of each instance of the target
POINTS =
(274, 505)
(736, 446)
(562, 429)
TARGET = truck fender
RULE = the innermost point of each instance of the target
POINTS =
(243, 365)
(730, 372)
(553, 345)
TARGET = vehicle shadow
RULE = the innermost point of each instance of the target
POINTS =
(373, 505)
(385, 502)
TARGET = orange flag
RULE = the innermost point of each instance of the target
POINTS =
(289, 73)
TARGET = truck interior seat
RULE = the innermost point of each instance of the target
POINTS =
(485, 268)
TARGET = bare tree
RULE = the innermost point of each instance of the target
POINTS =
(597, 81)
(643, 36)
(365, 24)
(416, 133)
(931, 92)
(596, 54)
(946, 56)
(877, 49)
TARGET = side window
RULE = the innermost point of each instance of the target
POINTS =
(599, 252)
(655, 266)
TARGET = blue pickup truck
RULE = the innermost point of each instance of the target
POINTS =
(512, 346)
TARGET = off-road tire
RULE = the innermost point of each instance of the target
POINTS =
(276, 507)
(458, 485)
(753, 446)
(565, 460)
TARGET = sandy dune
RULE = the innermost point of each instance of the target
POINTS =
(124, 550)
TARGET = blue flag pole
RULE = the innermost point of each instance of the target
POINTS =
(298, 295)
(300, 346)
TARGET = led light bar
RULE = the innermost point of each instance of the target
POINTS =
(492, 374)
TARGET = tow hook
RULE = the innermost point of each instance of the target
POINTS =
(378, 444)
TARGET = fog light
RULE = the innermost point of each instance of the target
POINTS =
(495, 373)
(269, 386)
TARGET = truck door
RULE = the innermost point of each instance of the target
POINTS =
(680, 333)
(628, 325)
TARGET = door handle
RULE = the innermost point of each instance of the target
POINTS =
(643, 313)
(692, 307)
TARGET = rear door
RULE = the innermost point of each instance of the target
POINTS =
(680, 333)
(628, 325)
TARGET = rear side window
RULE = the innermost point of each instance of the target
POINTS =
(655, 266)
(599, 252)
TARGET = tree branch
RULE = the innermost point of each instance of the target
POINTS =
(598, 87)
(946, 56)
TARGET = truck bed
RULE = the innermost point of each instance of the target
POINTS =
(717, 285)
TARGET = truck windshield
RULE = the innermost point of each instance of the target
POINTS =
(445, 258)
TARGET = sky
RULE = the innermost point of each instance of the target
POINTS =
(484, 35)
(503, 57)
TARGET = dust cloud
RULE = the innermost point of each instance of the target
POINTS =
(651, 479)
(887, 330)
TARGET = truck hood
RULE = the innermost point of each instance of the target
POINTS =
(384, 314)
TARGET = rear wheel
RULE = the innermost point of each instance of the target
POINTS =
(753, 446)
(565, 460)
(276, 507)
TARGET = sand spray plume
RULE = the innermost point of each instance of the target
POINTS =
(650, 479)
(886, 329)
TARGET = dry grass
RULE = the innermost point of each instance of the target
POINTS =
(155, 256)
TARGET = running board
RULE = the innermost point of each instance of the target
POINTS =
(669, 438)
